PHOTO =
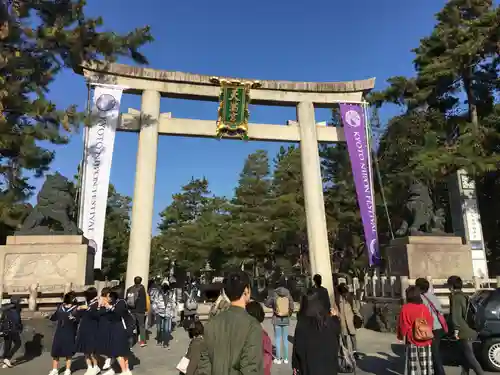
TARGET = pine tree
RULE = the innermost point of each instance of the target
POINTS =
(191, 228)
(186, 206)
(38, 40)
(250, 231)
(461, 56)
(116, 235)
(288, 213)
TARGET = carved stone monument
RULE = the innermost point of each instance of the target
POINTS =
(48, 249)
(424, 248)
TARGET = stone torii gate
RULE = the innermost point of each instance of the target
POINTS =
(153, 84)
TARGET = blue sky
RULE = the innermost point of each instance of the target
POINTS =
(317, 40)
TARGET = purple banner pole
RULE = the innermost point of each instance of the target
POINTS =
(353, 118)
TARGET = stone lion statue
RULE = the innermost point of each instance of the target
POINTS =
(419, 217)
(53, 211)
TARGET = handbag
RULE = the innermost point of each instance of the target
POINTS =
(183, 364)
(346, 360)
(440, 316)
(357, 321)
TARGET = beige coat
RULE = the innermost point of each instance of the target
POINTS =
(347, 312)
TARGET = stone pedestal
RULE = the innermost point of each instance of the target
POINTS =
(46, 260)
(435, 256)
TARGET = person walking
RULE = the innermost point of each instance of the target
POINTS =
(415, 329)
(103, 332)
(316, 344)
(322, 292)
(349, 316)
(195, 346)
(86, 338)
(164, 308)
(233, 338)
(463, 330)
(439, 326)
(137, 303)
(190, 306)
(255, 309)
(63, 344)
(118, 345)
(222, 303)
(12, 327)
(281, 302)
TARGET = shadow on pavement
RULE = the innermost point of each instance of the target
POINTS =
(33, 348)
(381, 363)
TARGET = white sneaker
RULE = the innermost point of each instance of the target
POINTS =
(277, 361)
(67, 372)
(96, 370)
(54, 372)
(107, 364)
(285, 361)
(7, 363)
(109, 372)
(89, 371)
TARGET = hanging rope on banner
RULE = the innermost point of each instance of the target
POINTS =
(377, 169)
(81, 167)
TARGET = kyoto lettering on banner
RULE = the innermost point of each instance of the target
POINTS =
(353, 118)
(98, 155)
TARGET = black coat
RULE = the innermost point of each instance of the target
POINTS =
(315, 349)
(324, 297)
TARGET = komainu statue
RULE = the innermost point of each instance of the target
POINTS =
(419, 217)
(53, 211)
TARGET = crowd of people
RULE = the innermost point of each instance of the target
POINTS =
(422, 326)
(233, 340)
(105, 327)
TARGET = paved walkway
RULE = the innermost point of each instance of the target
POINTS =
(381, 355)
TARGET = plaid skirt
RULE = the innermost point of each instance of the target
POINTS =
(418, 357)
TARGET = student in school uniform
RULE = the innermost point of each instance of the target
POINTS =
(86, 338)
(103, 332)
(118, 345)
(63, 345)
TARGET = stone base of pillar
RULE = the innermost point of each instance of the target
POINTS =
(436, 256)
(47, 261)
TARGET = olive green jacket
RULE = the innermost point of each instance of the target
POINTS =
(458, 311)
(233, 345)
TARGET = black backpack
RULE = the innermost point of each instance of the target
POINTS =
(132, 296)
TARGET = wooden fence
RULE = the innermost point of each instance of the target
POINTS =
(391, 288)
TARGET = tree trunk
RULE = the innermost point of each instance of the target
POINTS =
(471, 99)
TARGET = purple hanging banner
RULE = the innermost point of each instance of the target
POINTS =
(353, 118)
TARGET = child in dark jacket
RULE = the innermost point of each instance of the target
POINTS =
(11, 328)
(255, 309)
(195, 346)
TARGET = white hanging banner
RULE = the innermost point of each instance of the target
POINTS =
(98, 154)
